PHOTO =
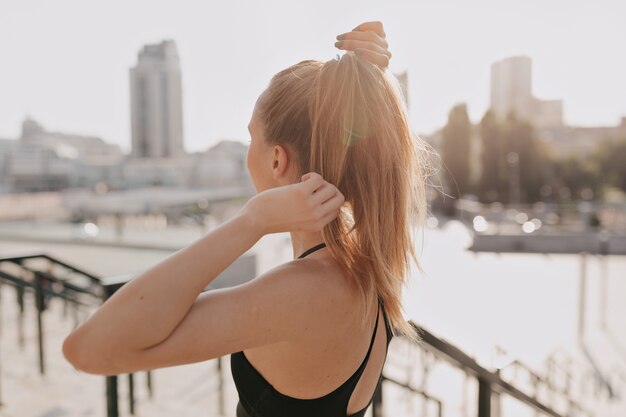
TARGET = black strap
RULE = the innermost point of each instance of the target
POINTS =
(369, 350)
(374, 334)
(313, 249)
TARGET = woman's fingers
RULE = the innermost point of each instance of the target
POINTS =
(324, 199)
(368, 41)
(368, 36)
(327, 219)
(328, 211)
(352, 45)
(311, 181)
(335, 202)
(322, 194)
(332, 207)
(375, 26)
(316, 186)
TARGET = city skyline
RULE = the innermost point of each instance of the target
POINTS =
(447, 52)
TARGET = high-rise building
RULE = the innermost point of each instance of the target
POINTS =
(403, 83)
(511, 87)
(156, 102)
(511, 92)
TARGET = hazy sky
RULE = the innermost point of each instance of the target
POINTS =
(66, 62)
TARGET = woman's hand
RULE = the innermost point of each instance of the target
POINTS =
(368, 41)
(305, 206)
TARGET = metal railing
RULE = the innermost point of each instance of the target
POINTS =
(25, 274)
(49, 277)
(490, 383)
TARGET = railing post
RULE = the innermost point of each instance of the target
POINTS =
(111, 381)
(131, 394)
(149, 383)
(39, 302)
(111, 394)
(20, 317)
(220, 386)
(495, 404)
(484, 398)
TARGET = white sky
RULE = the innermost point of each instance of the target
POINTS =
(66, 62)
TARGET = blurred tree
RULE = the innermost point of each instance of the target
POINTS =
(527, 159)
(518, 167)
(610, 157)
(493, 175)
(455, 149)
(577, 175)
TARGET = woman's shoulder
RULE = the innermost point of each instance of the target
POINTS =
(328, 303)
(323, 280)
(320, 279)
(325, 274)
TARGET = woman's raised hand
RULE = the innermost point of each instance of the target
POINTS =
(367, 40)
(305, 206)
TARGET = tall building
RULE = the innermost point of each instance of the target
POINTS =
(511, 85)
(511, 91)
(156, 102)
(403, 83)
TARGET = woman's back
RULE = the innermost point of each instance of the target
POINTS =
(335, 373)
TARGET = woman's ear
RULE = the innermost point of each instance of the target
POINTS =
(280, 162)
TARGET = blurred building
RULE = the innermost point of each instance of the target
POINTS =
(44, 161)
(41, 160)
(156, 102)
(548, 113)
(511, 91)
(148, 172)
(403, 81)
(223, 164)
(579, 141)
(7, 147)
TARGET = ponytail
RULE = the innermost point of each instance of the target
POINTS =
(347, 121)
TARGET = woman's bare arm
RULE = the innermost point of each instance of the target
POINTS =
(131, 329)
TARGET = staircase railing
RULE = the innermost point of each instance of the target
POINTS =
(40, 274)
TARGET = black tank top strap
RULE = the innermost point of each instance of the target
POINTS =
(361, 368)
(373, 335)
(387, 324)
(313, 249)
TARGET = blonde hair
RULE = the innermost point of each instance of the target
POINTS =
(346, 120)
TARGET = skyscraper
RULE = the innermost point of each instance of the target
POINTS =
(156, 102)
(511, 87)
(511, 91)
(403, 82)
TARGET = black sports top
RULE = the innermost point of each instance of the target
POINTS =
(258, 398)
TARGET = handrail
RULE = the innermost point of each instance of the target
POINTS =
(18, 259)
(65, 284)
(538, 378)
(488, 380)
(18, 282)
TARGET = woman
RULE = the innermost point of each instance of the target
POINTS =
(334, 164)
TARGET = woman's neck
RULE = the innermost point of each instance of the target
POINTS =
(301, 241)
